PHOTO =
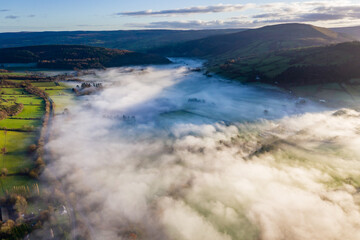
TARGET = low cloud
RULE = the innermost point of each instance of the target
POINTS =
(11, 17)
(176, 174)
(4, 10)
(191, 10)
(195, 24)
(307, 12)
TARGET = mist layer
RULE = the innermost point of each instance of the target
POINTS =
(167, 153)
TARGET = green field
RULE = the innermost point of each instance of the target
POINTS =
(12, 74)
(59, 92)
(12, 91)
(44, 84)
(9, 182)
(31, 112)
(26, 99)
(62, 102)
(19, 123)
(53, 88)
(62, 97)
(17, 157)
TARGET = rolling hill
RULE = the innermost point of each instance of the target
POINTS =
(135, 40)
(255, 41)
(352, 31)
(338, 63)
(76, 56)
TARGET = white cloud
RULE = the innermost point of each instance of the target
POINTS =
(191, 10)
(324, 13)
(194, 24)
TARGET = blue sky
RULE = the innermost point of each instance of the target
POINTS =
(53, 15)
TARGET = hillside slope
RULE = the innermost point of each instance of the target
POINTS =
(351, 31)
(315, 65)
(255, 41)
(135, 40)
(76, 56)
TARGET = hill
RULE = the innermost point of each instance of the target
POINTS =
(255, 41)
(135, 40)
(338, 63)
(76, 56)
(352, 31)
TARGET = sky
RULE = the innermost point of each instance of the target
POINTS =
(53, 15)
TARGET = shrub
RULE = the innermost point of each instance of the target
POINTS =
(34, 174)
(32, 148)
(4, 172)
(20, 205)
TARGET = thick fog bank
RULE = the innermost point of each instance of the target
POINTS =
(168, 153)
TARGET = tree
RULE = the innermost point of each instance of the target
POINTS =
(4, 172)
(32, 148)
(20, 205)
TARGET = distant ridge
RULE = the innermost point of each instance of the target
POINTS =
(135, 40)
(256, 41)
(76, 57)
(351, 31)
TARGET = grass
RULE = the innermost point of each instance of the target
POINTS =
(30, 111)
(306, 90)
(12, 91)
(52, 88)
(13, 74)
(9, 182)
(44, 84)
(17, 144)
(62, 102)
(59, 92)
(19, 123)
(62, 97)
(26, 99)
(337, 96)
(353, 90)
(17, 157)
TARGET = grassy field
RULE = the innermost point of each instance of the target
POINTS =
(19, 123)
(31, 112)
(12, 74)
(59, 92)
(44, 84)
(62, 102)
(17, 157)
(28, 100)
(333, 93)
(12, 91)
(62, 96)
(53, 88)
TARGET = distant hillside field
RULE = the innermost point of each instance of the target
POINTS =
(351, 31)
(76, 56)
(135, 40)
(338, 63)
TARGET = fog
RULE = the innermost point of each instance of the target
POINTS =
(167, 153)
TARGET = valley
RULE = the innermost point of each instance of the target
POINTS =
(189, 138)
